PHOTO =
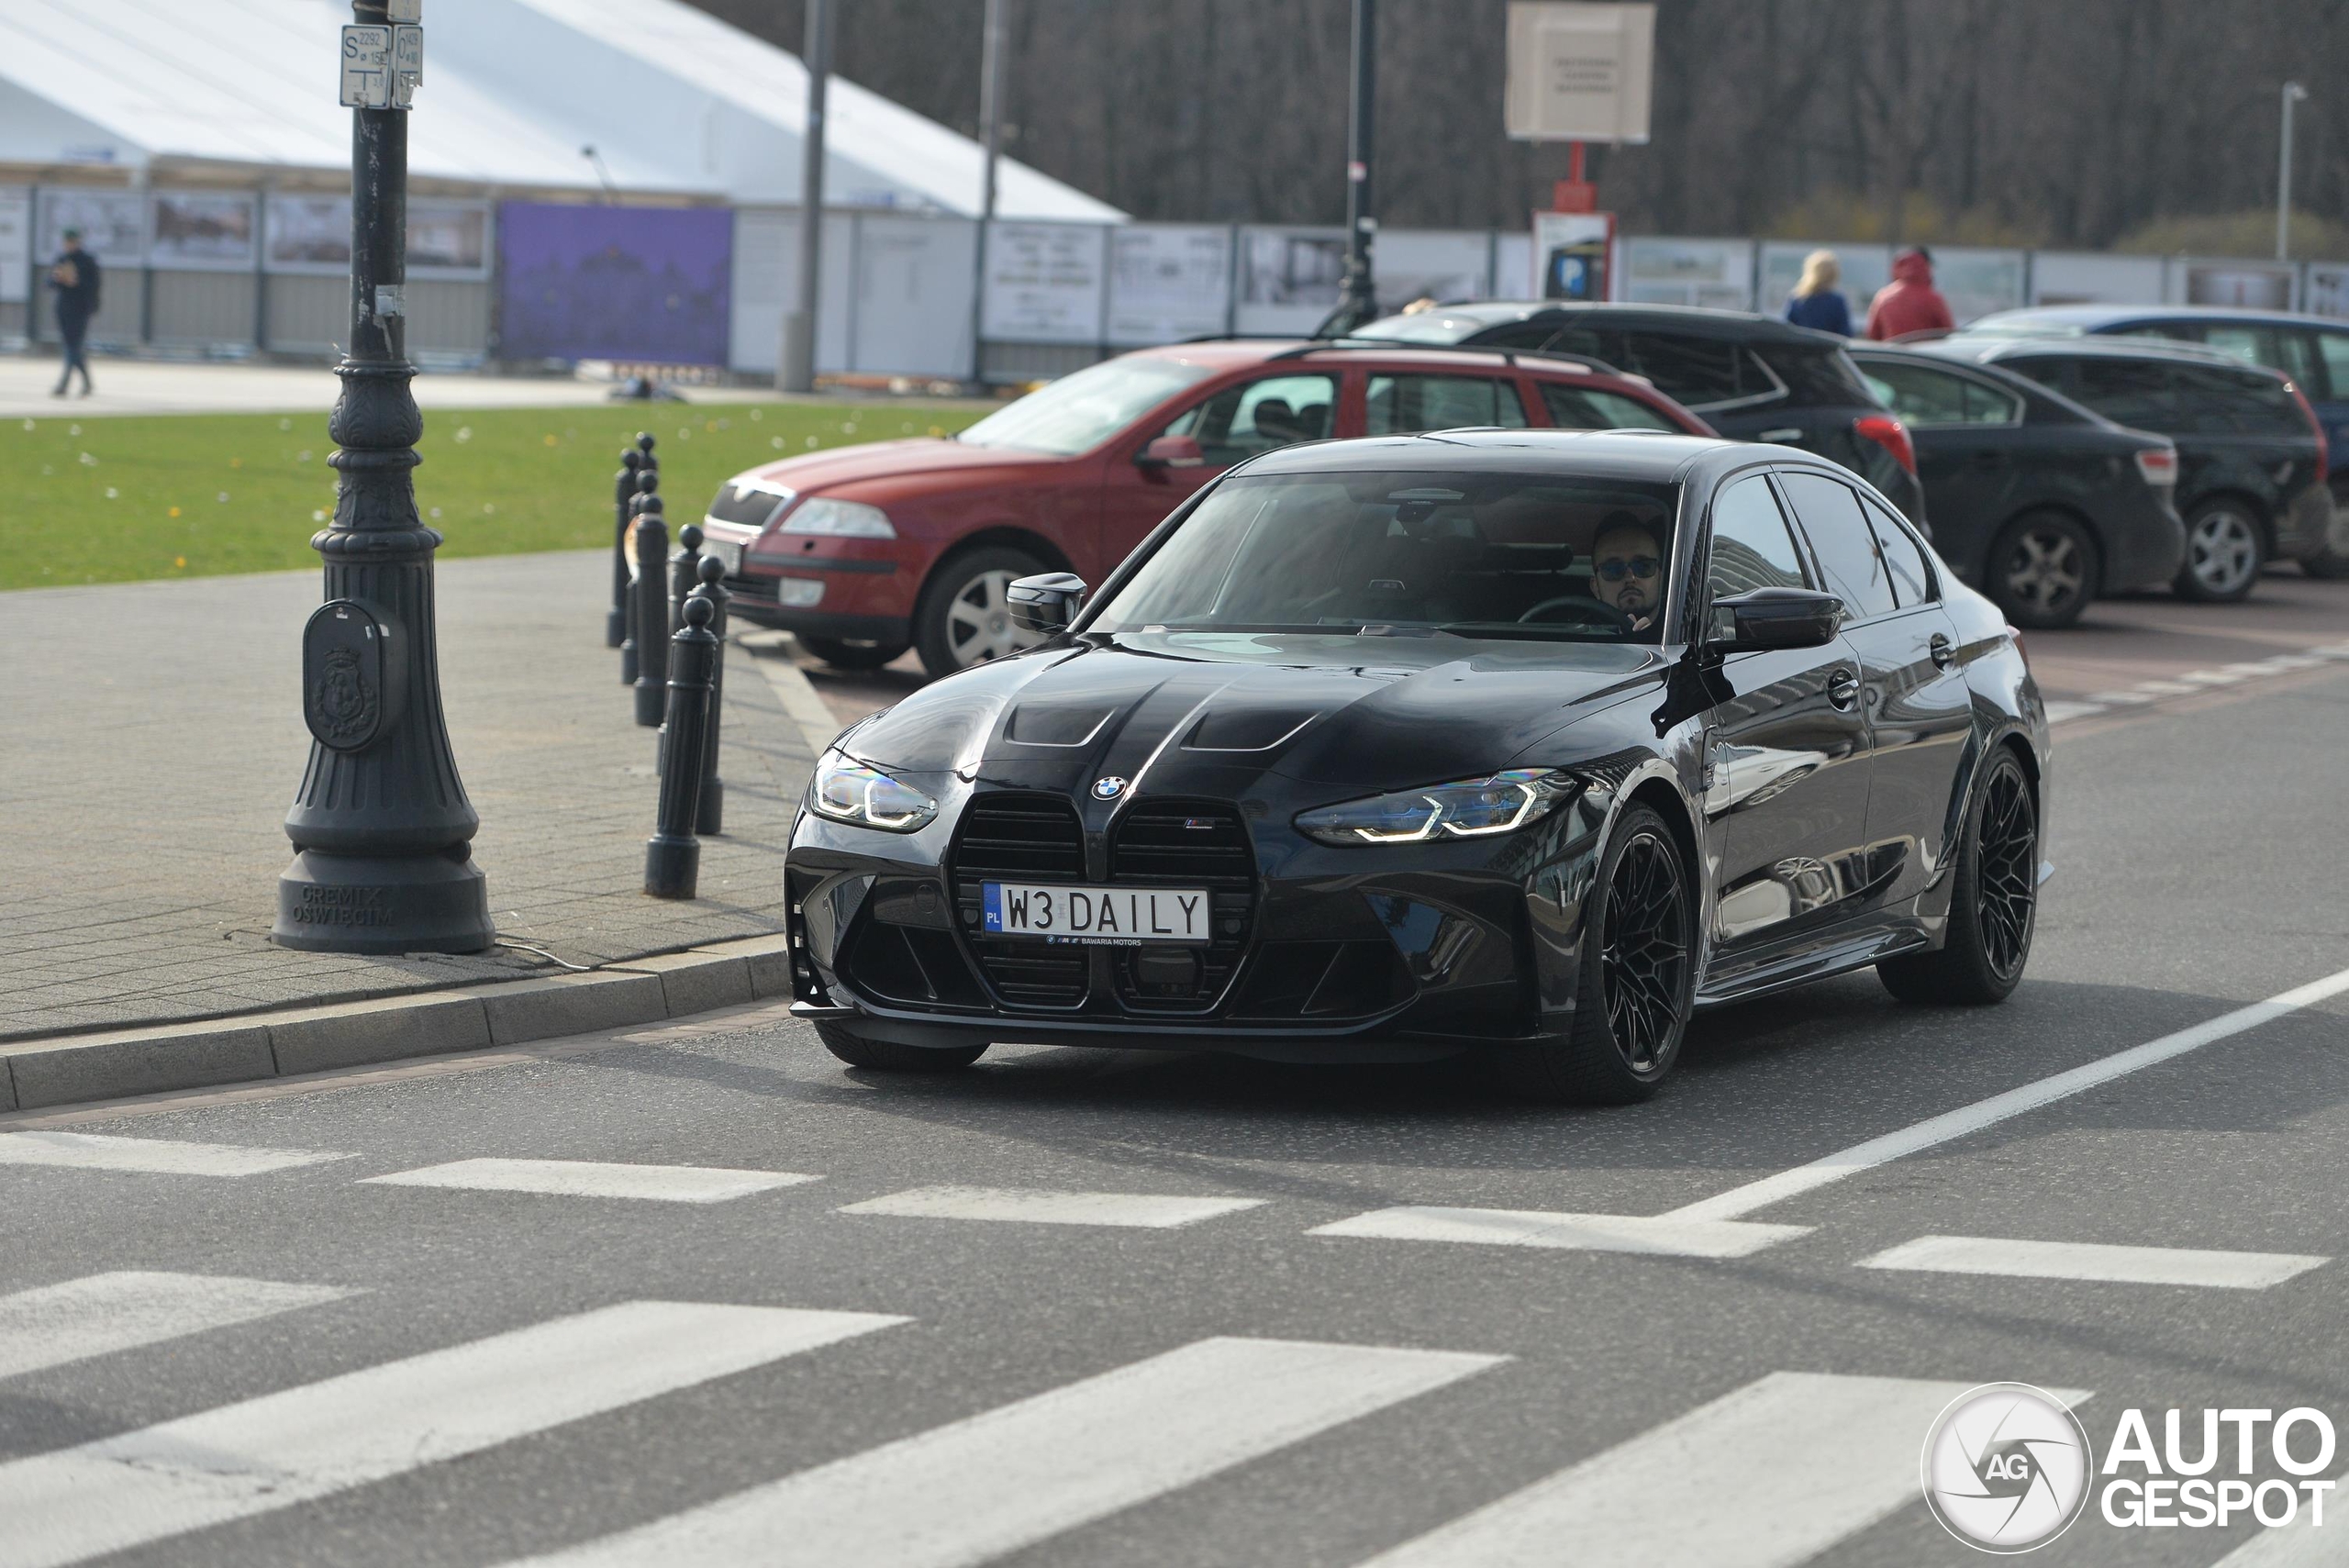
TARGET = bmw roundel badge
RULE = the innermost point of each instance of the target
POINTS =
(1109, 789)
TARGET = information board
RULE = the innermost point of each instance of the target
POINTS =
(1046, 282)
(203, 230)
(15, 246)
(113, 223)
(1168, 283)
(1716, 273)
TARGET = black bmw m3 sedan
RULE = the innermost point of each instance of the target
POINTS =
(1520, 742)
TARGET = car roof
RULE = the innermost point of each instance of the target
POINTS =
(1241, 353)
(1653, 456)
(1991, 351)
(2056, 321)
(1475, 315)
(1989, 370)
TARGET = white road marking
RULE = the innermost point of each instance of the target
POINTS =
(2331, 651)
(100, 1314)
(1022, 1472)
(2090, 1261)
(2168, 688)
(2120, 699)
(2286, 663)
(154, 1156)
(285, 1448)
(1666, 1236)
(2251, 670)
(1036, 1207)
(2300, 1544)
(593, 1178)
(2211, 678)
(2058, 711)
(1741, 1201)
(1767, 1476)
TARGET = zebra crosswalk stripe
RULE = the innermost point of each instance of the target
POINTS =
(321, 1438)
(100, 1314)
(593, 1178)
(151, 1156)
(1765, 1477)
(1022, 1472)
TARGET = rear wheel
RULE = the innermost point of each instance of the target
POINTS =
(888, 1056)
(843, 655)
(2044, 570)
(964, 617)
(1994, 908)
(1638, 969)
(2225, 548)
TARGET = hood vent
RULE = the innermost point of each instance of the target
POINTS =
(1050, 723)
(1247, 729)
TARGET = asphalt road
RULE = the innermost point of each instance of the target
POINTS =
(878, 1373)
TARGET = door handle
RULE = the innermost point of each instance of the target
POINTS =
(1844, 689)
(1945, 654)
(1989, 459)
(1791, 433)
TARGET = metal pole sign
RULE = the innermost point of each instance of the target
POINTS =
(366, 67)
(1579, 71)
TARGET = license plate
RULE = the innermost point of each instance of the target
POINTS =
(727, 551)
(1095, 916)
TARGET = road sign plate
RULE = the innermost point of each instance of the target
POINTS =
(407, 54)
(366, 67)
(403, 11)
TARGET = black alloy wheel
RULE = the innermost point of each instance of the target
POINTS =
(1643, 951)
(1637, 977)
(2044, 570)
(1994, 906)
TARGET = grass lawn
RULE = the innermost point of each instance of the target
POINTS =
(105, 499)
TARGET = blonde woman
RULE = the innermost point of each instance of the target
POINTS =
(1815, 302)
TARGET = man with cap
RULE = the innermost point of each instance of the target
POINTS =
(74, 280)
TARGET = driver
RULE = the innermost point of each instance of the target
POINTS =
(1626, 568)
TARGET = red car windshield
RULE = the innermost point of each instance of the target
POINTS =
(1079, 411)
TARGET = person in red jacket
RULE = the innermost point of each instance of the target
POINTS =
(1910, 303)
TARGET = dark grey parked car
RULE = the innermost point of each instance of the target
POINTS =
(2250, 457)
(2037, 502)
(1753, 378)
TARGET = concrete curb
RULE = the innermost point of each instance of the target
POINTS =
(772, 651)
(69, 1069)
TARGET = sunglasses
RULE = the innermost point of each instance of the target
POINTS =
(1637, 566)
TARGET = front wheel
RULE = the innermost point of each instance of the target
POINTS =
(2043, 570)
(2225, 549)
(1637, 977)
(964, 617)
(888, 1056)
(1994, 908)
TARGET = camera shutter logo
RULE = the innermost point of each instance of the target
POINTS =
(2007, 1467)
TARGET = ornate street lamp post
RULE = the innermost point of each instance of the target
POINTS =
(381, 829)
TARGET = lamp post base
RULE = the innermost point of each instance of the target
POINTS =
(364, 903)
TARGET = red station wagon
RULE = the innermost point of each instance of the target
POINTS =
(867, 550)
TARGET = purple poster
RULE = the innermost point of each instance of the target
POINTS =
(601, 283)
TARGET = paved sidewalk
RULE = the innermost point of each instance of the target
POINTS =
(154, 739)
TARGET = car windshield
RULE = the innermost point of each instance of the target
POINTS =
(1424, 326)
(1534, 557)
(1079, 411)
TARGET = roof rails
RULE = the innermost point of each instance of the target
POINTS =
(1508, 356)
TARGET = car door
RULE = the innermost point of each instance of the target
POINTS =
(1786, 774)
(1913, 691)
(1973, 452)
(1232, 425)
(2329, 389)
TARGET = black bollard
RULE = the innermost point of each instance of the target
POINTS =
(647, 481)
(651, 606)
(623, 508)
(644, 445)
(684, 573)
(711, 818)
(673, 855)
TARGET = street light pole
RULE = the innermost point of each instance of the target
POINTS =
(381, 830)
(991, 140)
(1357, 299)
(2293, 93)
(798, 372)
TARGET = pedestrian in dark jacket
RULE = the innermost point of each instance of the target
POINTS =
(74, 280)
(1816, 303)
(1910, 303)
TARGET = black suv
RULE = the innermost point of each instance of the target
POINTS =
(2251, 459)
(2037, 502)
(1751, 377)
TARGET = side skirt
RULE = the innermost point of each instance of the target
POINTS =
(1836, 955)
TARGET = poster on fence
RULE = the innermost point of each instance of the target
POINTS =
(1045, 282)
(1444, 266)
(113, 223)
(15, 246)
(2093, 277)
(2328, 290)
(2249, 286)
(1168, 283)
(209, 231)
(1976, 282)
(1288, 278)
(644, 285)
(1718, 274)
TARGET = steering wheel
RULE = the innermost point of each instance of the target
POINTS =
(1586, 611)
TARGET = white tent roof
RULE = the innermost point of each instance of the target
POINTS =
(672, 100)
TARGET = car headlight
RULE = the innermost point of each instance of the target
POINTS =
(846, 791)
(838, 519)
(1472, 808)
